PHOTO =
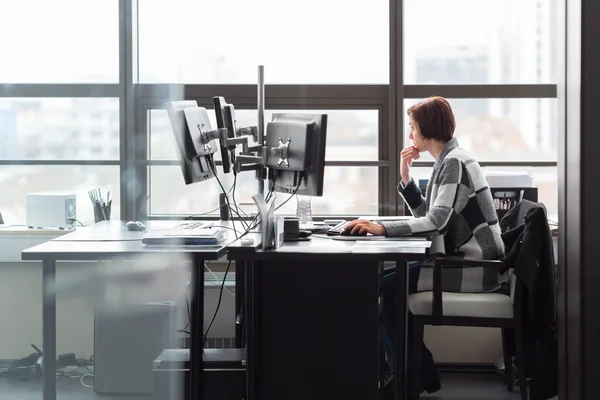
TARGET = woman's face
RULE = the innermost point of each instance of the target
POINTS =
(418, 140)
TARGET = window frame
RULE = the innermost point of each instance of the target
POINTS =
(135, 99)
(277, 97)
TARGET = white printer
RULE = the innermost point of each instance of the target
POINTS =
(508, 179)
(51, 210)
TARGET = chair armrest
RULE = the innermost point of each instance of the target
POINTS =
(461, 262)
(437, 311)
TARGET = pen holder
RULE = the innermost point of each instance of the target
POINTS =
(101, 212)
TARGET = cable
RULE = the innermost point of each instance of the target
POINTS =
(234, 202)
(277, 208)
(208, 212)
(226, 197)
(218, 305)
(84, 376)
(216, 278)
(187, 304)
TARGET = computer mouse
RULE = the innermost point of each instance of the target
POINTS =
(348, 232)
(135, 226)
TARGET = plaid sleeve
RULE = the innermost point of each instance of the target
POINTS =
(452, 196)
(413, 198)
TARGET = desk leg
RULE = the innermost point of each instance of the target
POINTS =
(401, 331)
(250, 327)
(49, 329)
(197, 329)
(239, 303)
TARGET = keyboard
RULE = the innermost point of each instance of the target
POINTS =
(193, 225)
(338, 229)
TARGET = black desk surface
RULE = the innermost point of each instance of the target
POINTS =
(322, 247)
(111, 239)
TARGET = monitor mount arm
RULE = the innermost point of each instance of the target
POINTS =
(252, 157)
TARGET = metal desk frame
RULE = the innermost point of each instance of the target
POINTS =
(87, 249)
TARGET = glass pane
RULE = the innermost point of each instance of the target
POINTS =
(311, 42)
(544, 178)
(347, 190)
(78, 179)
(60, 41)
(503, 129)
(170, 195)
(59, 128)
(350, 191)
(352, 135)
(480, 41)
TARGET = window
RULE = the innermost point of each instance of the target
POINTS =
(49, 129)
(352, 135)
(170, 195)
(223, 42)
(479, 41)
(503, 129)
(544, 178)
(60, 41)
(352, 191)
(357, 186)
(76, 178)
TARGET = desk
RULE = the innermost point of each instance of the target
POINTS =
(104, 241)
(313, 318)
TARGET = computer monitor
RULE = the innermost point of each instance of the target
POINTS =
(188, 122)
(296, 153)
(225, 114)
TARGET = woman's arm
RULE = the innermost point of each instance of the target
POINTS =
(413, 197)
(452, 197)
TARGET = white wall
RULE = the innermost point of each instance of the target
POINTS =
(21, 312)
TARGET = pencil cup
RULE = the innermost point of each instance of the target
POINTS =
(100, 204)
(101, 213)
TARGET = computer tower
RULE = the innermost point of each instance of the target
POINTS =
(224, 374)
(126, 343)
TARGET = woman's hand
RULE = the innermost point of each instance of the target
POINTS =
(362, 227)
(407, 156)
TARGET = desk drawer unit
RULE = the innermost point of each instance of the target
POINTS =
(318, 330)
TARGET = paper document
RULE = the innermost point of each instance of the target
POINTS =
(392, 243)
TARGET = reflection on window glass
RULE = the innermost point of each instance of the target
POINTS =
(73, 178)
(503, 129)
(347, 190)
(480, 41)
(544, 178)
(352, 135)
(330, 42)
(59, 128)
(60, 41)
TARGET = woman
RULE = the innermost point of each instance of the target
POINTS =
(458, 212)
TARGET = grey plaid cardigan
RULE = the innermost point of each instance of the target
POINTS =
(459, 215)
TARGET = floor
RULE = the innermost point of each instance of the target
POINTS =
(455, 386)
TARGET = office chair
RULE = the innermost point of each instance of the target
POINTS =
(470, 310)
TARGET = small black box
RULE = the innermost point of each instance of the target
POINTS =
(224, 374)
